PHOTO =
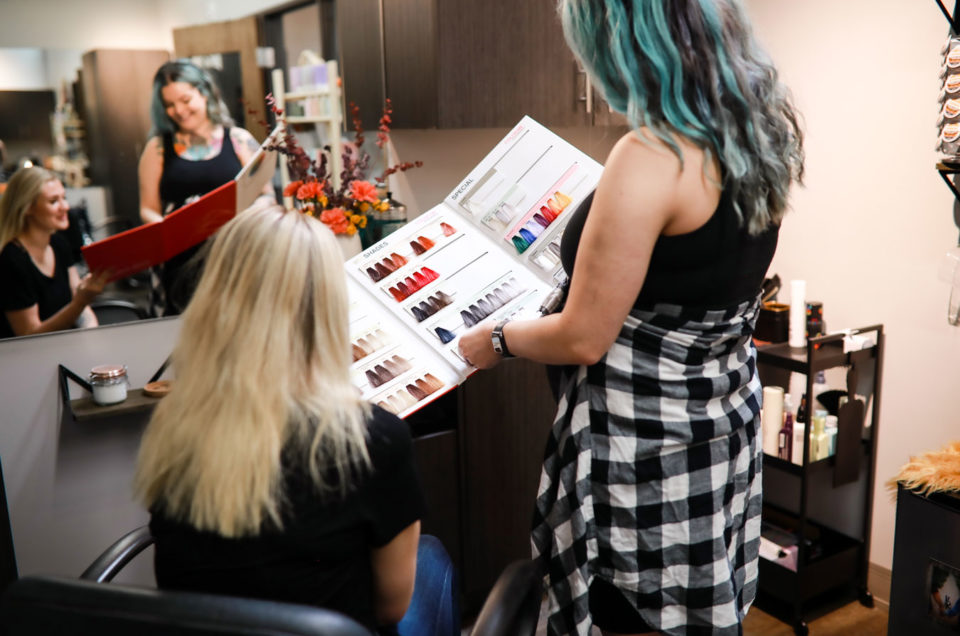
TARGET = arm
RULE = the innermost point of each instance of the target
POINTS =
(245, 146)
(26, 322)
(87, 318)
(149, 172)
(639, 197)
(394, 573)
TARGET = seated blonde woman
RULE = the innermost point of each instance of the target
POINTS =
(265, 474)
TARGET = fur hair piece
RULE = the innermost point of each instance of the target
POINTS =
(936, 471)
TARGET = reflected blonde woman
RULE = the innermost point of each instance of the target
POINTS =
(265, 473)
(40, 289)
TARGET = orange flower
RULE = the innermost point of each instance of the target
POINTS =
(309, 190)
(292, 188)
(337, 221)
(363, 191)
(359, 220)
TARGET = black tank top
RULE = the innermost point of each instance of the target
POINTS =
(182, 178)
(717, 265)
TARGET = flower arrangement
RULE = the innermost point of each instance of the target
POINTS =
(343, 209)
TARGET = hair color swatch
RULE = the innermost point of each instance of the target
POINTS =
(368, 343)
(387, 370)
(434, 303)
(415, 391)
(535, 226)
(491, 302)
(413, 283)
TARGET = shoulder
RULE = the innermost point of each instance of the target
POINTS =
(153, 150)
(13, 256)
(242, 139)
(388, 437)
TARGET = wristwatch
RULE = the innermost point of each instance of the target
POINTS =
(499, 342)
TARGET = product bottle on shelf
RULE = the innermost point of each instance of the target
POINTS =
(818, 436)
(831, 431)
(785, 440)
(799, 431)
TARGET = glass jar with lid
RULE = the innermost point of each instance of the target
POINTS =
(109, 384)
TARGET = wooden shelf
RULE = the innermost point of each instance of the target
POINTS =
(137, 401)
(312, 119)
(316, 92)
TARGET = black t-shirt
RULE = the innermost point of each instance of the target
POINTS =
(718, 264)
(22, 285)
(322, 555)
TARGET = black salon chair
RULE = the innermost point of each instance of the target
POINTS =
(90, 606)
(110, 311)
(513, 605)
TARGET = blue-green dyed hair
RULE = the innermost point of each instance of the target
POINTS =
(693, 68)
(182, 71)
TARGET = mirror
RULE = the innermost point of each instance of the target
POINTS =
(49, 73)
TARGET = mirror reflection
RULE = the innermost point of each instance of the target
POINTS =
(110, 150)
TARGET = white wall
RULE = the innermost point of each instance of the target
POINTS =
(23, 70)
(82, 24)
(870, 227)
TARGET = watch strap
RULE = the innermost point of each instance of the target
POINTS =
(498, 341)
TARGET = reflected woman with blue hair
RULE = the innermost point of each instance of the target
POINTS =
(648, 513)
(194, 148)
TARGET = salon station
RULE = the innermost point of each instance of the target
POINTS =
(857, 335)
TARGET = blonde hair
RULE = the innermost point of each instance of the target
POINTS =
(262, 369)
(21, 193)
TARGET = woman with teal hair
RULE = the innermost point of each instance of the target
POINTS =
(194, 148)
(648, 512)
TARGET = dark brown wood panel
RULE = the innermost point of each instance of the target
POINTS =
(437, 460)
(242, 36)
(502, 59)
(505, 415)
(117, 88)
(410, 39)
(361, 58)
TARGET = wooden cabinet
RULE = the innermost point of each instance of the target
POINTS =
(505, 415)
(117, 86)
(478, 451)
(463, 64)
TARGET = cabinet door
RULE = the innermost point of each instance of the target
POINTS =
(117, 89)
(505, 416)
(500, 60)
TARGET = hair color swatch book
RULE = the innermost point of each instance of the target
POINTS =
(490, 250)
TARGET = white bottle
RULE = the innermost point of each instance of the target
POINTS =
(799, 431)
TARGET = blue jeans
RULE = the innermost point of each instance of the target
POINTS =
(435, 607)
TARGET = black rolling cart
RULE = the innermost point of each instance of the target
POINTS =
(824, 505)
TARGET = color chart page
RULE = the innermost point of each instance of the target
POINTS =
(439, 275)
(524, 190)
(391, 367)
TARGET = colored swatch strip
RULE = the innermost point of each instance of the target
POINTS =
(413, 283)
(387, 370)
(382, 269)
(369, 343)
(411, 394)
(540, 221)
(385, 267)
(434, 303)
(490, 303)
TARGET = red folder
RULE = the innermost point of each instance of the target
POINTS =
(148, 245)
